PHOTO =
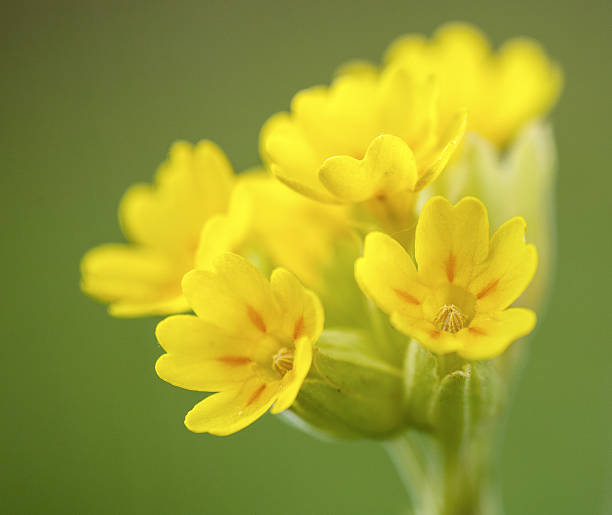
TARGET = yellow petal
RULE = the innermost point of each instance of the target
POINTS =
(191, 186)
(388, 166)
(201, 356)
(214, 176)
(232, 410)
(463, 38)
(291, 157)
(292, 381)
(438, 342)
(296, 232)
(528, 84)
(490, 334)
(408, 106)
(234, 296)
(432, 165)
(225, 232)
(221, 234)
(301, 310)
(507, 271)
(135, 281)
(451, 241)
(408, 49)
(129, 309)
(340, 119)
(204, 375)
(387, 275)
(358, 68)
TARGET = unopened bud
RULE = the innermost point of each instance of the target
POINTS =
(350, 391)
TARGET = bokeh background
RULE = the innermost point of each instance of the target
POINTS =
(91, 95)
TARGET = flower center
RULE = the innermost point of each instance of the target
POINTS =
(282, 361)
(449, 318)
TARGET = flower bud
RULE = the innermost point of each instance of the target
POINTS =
(467, 400)
(350, 391)
(448, 395)
(421, 384)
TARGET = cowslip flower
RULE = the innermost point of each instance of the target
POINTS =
(250, 341)
(367, 136)
(501, 91)
(458, 299)
(163, 223)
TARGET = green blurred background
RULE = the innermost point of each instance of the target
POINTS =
(92, 94)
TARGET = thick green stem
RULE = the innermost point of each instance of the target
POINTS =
(470, 481)
(415, 465)
(446, 481)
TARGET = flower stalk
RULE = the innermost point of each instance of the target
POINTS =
(443, 481)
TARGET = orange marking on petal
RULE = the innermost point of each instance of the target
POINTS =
(234, 360)
(298, 328)
(381, 196)
(407, 297)
(450, 267)
(434, 334)
(256, 394)
(487, 289)
(477, 331)
(255, 317)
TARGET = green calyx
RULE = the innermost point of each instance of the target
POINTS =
(353, 392)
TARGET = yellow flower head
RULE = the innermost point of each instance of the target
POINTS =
(251, 341)
(366, 136)
(164, 223)
(501, 91)
(457, 300)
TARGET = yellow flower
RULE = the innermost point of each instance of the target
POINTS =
(163, 222)
(291, 231)
(457, 300)
(501, 91)
(366, 136)
(251, 341)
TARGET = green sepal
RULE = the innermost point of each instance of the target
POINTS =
(344, 302)
(467, 401)
(350, 391)
(421, 383)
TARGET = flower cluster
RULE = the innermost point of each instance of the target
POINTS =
(370, 201)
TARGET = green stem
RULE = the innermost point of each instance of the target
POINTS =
(469, 482)
(414, 468)
(446, 481)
